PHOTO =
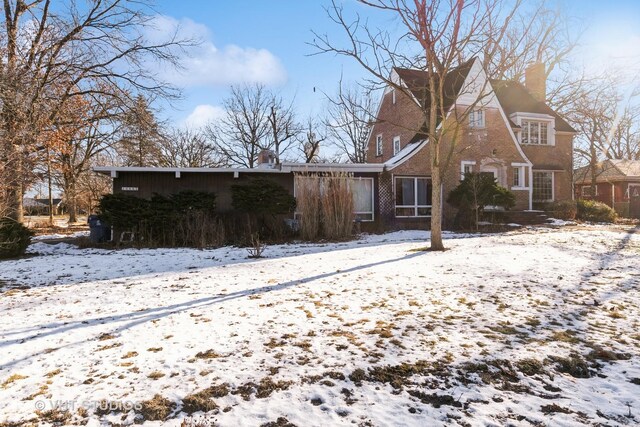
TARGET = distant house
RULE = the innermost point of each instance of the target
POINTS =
(511, 134)
(37, 206)
(617, 183)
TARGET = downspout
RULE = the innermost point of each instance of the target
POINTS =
(613, 196)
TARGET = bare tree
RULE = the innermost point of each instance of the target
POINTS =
(86, 47)
(350, 115)
(313, 134)
(283, 127)
(188, 148)
(241, 133)
(435, 36)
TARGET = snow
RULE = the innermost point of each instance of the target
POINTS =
(94, 324)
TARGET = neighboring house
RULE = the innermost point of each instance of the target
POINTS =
(510, 133)
(37, 206)
(617, 183)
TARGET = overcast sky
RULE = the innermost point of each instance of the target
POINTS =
(267, 41)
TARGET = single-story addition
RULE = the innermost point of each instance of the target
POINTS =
(617, 183)
(146, 181)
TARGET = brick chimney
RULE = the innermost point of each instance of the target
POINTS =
(266, 159)
(535, 81)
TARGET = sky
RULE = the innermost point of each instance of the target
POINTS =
(268, 42)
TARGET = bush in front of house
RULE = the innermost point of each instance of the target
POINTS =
(325, 206)
(565, 209)
(591, 210)
(187, 219)
(474, 193)
(264, 204)
(14, 238)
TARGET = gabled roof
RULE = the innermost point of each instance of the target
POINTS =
(610, 170)
(515, 98)
(417, 81)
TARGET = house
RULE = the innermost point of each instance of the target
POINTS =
(510, 133)
(617, 184)
(39, 206)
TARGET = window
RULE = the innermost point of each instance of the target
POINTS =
(586, 191)
(518, 177)
(413, 196)
(379, 145)
(466, 167)
(476, 119)
(396, 145)
(534, 132)
(543, 186)
(362, 189)
(633, 190)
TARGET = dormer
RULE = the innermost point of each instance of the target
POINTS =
(535, 128)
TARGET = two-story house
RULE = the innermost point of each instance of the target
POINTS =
(502, 128)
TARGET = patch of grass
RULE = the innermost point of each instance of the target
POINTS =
(54, 416)
(200, 401)
(529, 366)
(435, 400)
(154, 349)
(555, 409)
(565, 336)
(109, 346)
(157, 409)
(209, 354)
(53, 373)
(599, 353)
(13, 378)
(280, 422)
(155, 375)
(129, 355)
(573, 365)
(105, 336)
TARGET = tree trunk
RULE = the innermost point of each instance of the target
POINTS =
(70, 193)
(49, 187)
(436, 208)
(16, 187)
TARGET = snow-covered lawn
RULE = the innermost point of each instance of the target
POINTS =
(532, 327)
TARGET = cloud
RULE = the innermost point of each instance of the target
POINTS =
(208, 65)
(203, 114)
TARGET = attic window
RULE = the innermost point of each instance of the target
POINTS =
(379, 145)
(476, 119)
(396, 145)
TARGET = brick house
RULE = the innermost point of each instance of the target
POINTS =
(617, 184)
(507, 130)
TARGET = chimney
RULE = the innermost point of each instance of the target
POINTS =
(266, 159)
(535, 81)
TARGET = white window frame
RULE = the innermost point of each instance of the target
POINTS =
(373, 201)
(396, 145)
(379, 145)
(522, 168)
(553, 186)
(589, 187)
(415, 206)
(520, 117)
(296, 214)
(463, 165)
(477, 119)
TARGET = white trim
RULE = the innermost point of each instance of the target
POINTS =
(464, 163)
(332, 167)
(114, 170)
(553, 185)
(522, 171)
(178, 174)
(415, 206)
(397, 149)
(380, 147)
(613, 195)
(412, 149)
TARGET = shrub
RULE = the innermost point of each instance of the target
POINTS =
(262, 196)
(565, 210)
(183, 219)
(14, 238)
(474, 193)
(308, 202)
(590, 210)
